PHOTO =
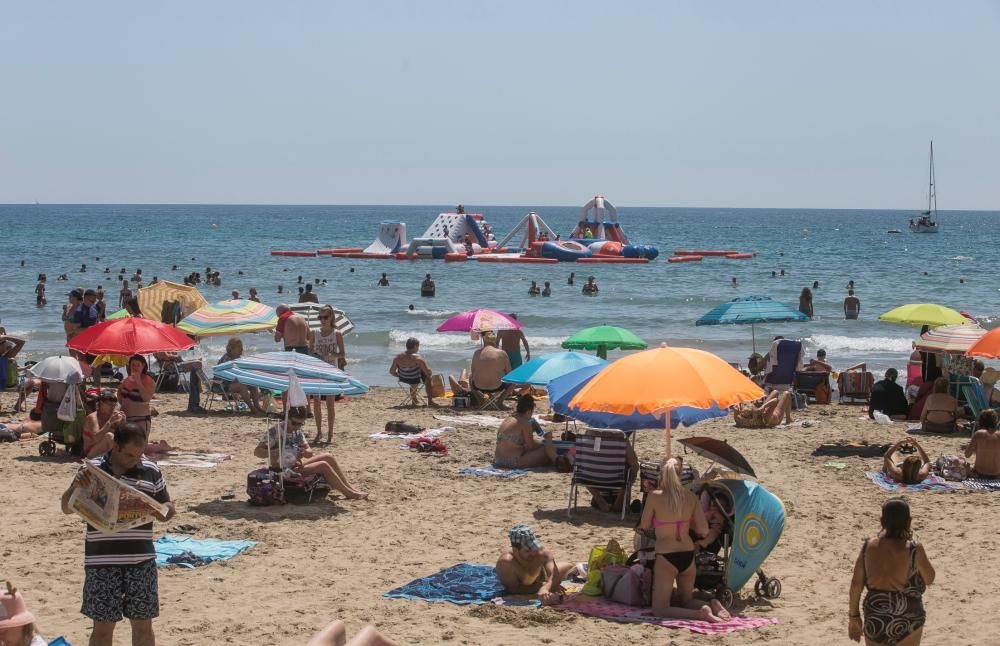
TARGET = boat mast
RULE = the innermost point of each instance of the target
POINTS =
(931, 190)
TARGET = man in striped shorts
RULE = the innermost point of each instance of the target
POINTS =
(120, 567)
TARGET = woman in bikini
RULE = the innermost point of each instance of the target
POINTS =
(135, 392)
(672, 512)
(895, 570)
(912, 469)
(99, 427)
(516, 446)
(770, 412)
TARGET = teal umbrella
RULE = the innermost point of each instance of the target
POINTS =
(603, 338)
(541, 370)
(751, 310)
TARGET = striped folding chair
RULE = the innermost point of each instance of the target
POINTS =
(601, 463)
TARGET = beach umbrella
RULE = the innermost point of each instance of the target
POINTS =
(120, 314)
(987, 347)
(929, 314)
(721, 453)
(271, 370)
(653, 382)
(751, 310)
(955, 339)
(477, 321)
(152, 298)
(61, 369)
(310, 312)
(229, 317)
(541, 370)
(603, 338)
(562, 389)
(130, 336)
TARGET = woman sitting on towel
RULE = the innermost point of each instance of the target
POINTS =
(516, 447)
(985, 445)
(913, 469)
(767, 413)
(671, 513)
(297, 455)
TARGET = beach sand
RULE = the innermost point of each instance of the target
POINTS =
(335, 558)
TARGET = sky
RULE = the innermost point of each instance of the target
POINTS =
(659, 103)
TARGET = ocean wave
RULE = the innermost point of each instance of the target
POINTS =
(455, 340)
(961, 258)
(834, 343)
(430, 313)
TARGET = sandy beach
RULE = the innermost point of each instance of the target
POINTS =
(335, 558)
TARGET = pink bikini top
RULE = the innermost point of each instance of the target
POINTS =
(676, 523)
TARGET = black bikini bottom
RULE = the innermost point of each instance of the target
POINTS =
(680, 560)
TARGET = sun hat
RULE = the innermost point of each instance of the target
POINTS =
(13, 610)
(523, 537)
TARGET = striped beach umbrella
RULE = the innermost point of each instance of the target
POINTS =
(152, 298)
(956, 339)
(270, 370)
(229, 317)
(310, 312)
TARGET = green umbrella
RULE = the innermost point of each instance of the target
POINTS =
(120, 314)
(603, 338)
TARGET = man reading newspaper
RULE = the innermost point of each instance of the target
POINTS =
(119, 565)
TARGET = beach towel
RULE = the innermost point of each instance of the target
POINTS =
(491, 471)
(604, 609)
(428, 433)
(190, 459)
(462, 584)
(196, 551)
(849, 449)
(489, 421)
(930, 483)
(979, 484)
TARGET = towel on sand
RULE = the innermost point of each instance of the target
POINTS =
(205, 550)
(190, 459)
(462, 584)
(489, 421)
(980, 484)
(930, 483)
(427, 432)
(604, 609)
(489, 471)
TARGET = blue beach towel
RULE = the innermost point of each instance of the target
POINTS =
(931, 483)
(488, 471)
(462, 584)
(196, 551)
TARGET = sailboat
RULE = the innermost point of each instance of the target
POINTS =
(927, 222)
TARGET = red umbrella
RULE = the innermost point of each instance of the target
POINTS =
(130, 336)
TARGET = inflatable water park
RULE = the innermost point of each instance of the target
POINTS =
(597, 237)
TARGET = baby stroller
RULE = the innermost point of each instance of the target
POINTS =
(69, 434)
(753, 521)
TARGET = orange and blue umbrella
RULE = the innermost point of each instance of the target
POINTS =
(229, 317)
(270, 371)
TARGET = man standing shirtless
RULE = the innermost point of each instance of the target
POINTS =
(292, 329)
(510, 342)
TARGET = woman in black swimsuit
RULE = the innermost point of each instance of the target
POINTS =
(895, 570)
(670, 512)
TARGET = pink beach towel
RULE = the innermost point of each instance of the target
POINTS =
(604, 609)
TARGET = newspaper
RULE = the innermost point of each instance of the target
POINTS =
(109, 504)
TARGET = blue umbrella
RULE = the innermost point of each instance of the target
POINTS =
(541, 370)
(562, 390)
(751, 310)
(269, 370)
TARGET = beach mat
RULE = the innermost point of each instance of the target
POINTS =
(462, 584)
(488, 421)
(930, 483)
(427, 432)
(979, 484)
(491, 471)
(852, 449)
(189, 459)
(604, 609)
(202, 550)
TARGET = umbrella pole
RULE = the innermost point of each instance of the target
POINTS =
(666, 423)
(753, 338)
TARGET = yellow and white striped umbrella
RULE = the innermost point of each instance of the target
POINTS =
(152, 298)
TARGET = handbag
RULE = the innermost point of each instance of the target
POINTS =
(600, 557)
(632, 586)
(70, 405)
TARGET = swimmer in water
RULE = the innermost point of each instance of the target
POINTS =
(569, 281)
(533, 290)
(383, 281)
(733, 283)
(547, 290)
(411, 307)
(774, 274)
(590, 288)
(815, 284)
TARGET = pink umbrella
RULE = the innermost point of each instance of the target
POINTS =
(477, 321)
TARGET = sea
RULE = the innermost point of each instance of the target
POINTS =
(660, 301)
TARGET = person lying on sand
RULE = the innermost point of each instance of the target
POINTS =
(297, 455)
(912, 469)
(765, 413)
(529, 568)
(335, 634)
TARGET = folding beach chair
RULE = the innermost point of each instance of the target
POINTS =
(975, 399)
(215, 389)
(601, 463)
(781, 374)
(808, 382)
(413, 397)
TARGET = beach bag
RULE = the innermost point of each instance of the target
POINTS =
(263, 488)
(632, 586)
(402, 428)
(437, 386)
(8, 380)
(822, 392)
(72, 432)
(953, 467)
(70, 405)
(600, 557)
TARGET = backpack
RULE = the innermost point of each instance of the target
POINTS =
(632, 586)
(263, 488)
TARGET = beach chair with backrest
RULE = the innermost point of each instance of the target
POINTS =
(855, 384)
(781, 375)
(807, 383)
(215, 389)
(601, 463)
(975, 399)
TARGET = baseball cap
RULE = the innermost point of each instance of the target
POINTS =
(13, 611)
(523, 537)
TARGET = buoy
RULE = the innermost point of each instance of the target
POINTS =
(215, 226)
(805, 232)
(684, 259)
